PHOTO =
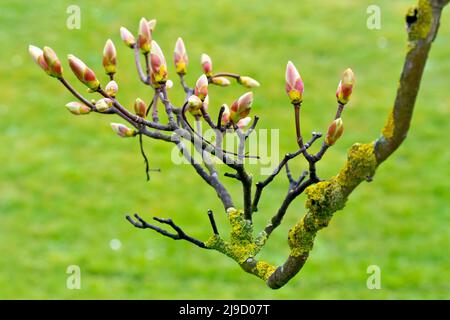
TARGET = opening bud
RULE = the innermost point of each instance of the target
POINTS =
(201, 87)
(109, 57)
(294, 84)
(145, 36)
(158, 64)
(335, 131)
(127, 37)
(83, 73)
(241, 107)
(180, 57)
(103, 104)
(345, 87)
(206, 64)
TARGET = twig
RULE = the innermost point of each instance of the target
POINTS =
(213, 222)
(180, 234)
(137, 60)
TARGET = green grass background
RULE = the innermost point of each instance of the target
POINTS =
(66, 182)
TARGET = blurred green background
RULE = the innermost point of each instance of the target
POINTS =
(66, 182)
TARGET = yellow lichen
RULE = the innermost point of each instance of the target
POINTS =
(388, 130)
(423, 13)
(263, 270)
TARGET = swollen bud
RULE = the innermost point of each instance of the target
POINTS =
(111, 88)
(109, 57)
(335, 130)
(122, 130)
(54, 64)
(83, 73)
(144, 37)
(78, 108)
(221, 81)
(38, 57)
(194, 103)
(158, 64)
(345, 86)
(206, 64)
(248, 82)
(201, 87)
(103, 104)
(241, 107)
(140, 108)
(180, 57)
(294, 84)
(127, 37)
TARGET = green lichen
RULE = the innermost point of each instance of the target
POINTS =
(422, 18)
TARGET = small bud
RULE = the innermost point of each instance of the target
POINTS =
(180, 57)
(103, 104)
(241, 107)
(294, 84)
(244, 122)
(109, 57)
(225, 115)
(122, 130)
(169, 84)
(194, 103)
(152, 24)
(335, 130)
(54, 64)
(140, 108)
(144, 37)
(38, 57)
(78, 108)
(206, 64)
(345, 87)
(127, 37)
(221, 81)
(201, 87)
(83, 73)
(248, 82)
(158, 64)
(111, 88)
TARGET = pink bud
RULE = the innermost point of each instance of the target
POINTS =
(127, 37)
(248, 82)
(180, 57)
(201, 87)
(158, 64)
(335, 130)
(111, 88)
(78, 108)
(206, 64)
(109, 57)
(244, 122)
(144, 37)
(53, 62)
(38, 57)
(83, 73)
(345, 87)
(140, 108)
(221, 81)
(294, 84)
(241, 107)
(122, 130)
